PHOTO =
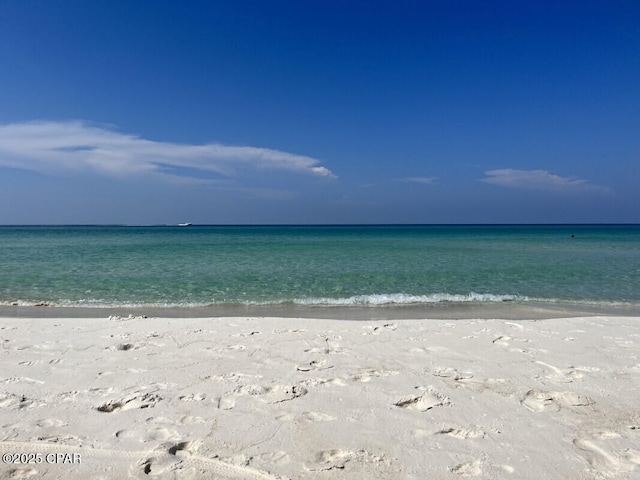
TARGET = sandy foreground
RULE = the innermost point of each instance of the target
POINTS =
(275, 398)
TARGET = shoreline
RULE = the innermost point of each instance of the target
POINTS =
(508, 310)
(295, 398)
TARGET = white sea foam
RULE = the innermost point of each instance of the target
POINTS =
(371, 300)
(405, 299)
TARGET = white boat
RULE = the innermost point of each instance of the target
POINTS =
(184, 224)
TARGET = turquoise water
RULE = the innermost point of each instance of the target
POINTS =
(321, 265)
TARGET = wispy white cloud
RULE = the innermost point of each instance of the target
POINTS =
(539, 180)
(77, 146)
(425, 180)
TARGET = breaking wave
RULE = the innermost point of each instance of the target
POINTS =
(372, 300)
(405, 299)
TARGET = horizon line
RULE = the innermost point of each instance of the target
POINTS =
(314, 224)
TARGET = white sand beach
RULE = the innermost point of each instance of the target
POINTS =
(275, 398)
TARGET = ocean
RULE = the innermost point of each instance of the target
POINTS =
(363, 271)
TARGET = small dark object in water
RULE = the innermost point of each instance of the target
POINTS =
(573, 236)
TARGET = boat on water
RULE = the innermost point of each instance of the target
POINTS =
(184, 224)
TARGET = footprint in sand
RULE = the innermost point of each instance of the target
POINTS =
(273, 394)
(247, 334)
(505, 341)
(377, 330)
(451, 375)
(314, 365)
(65, 439)
(457, 379)
(193, 397)
(331, 345)
(103, 391)
(147, 400)
(12, 379)
(172, 457)
(556, 374)
(191, 420)
(317, 417)
(325, 350)
(370, 374)
(28, 363)
(158, 434)
(470, 469)
(337, 459)
(537, 401)
(541, 401)
(336, 456)
(264, 460)
(169, 460)
(461, 433)
(424, 402)
(50, 422)
(605, 463)
(9, 400)
(20, 473)
(314, 382)
(267, 459)
(308, 416)
(22, 379)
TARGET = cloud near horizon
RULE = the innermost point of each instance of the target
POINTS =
(539, 180)
(76, 146)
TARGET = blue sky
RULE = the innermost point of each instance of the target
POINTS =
(146, 111)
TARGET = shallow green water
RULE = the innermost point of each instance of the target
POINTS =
(340, 265)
